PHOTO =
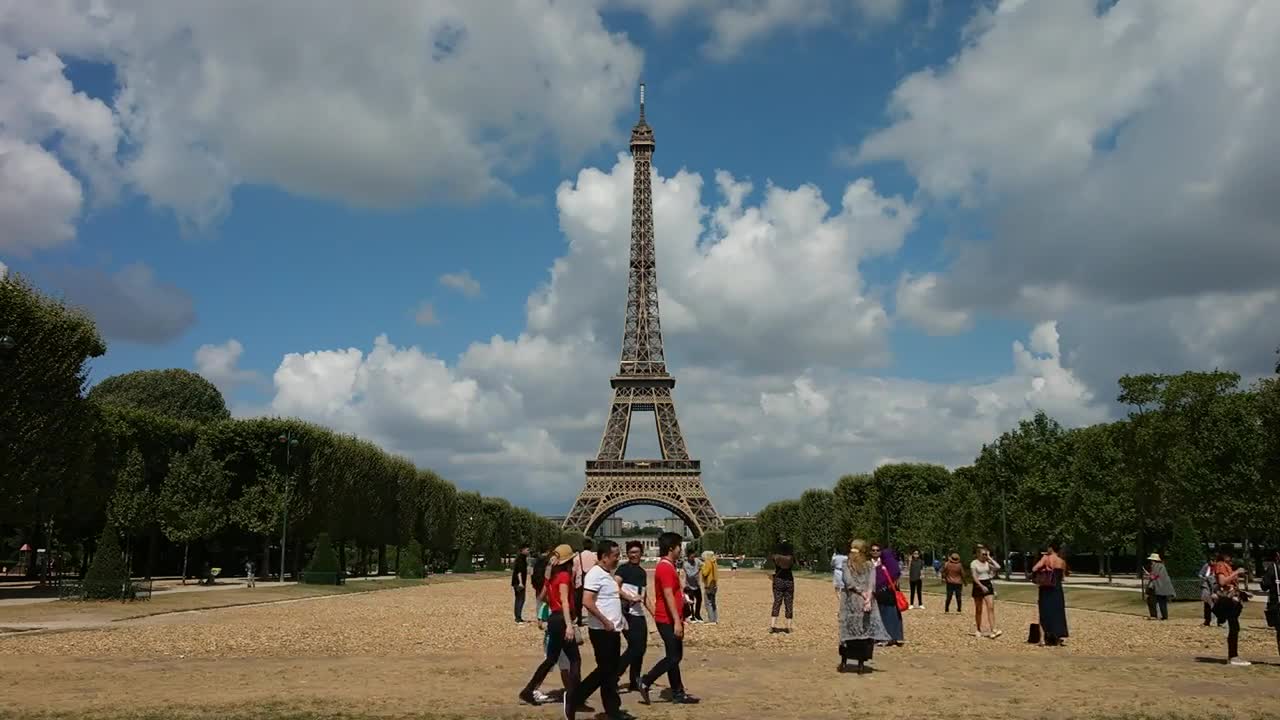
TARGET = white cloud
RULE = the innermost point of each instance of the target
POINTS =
(1124, 160)
(220, 365)
(4, 271)
(734, 24)
(375, 107)
(462, 282)
(425, 314)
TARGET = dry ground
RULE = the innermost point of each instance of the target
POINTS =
(450, 650)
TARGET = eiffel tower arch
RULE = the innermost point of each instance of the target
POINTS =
(674, 481)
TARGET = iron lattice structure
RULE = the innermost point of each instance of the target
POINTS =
(673, 482)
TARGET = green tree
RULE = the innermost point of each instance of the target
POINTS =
(107, 578)
(906, 496)
(1186, 553)
(175, 393)
(1101, 500)
(857, 514)
(132, 506)
(193, 499)
(816, 534)
(410, 565)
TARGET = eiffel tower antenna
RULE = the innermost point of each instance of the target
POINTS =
(642, 383)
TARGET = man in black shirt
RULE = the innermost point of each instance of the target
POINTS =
(635, 600)
(537, 578)
(519, 577)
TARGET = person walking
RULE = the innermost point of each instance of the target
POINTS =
(1159, 588)
(983, 570)
(953, 577)
(692, 588)
(710, 580)
(537, 578)
(1271, 584)
(1048, 573)
(839, 558)
(250, 576)
(668, 605)
(561, 634)
(784, 586)
(1228, 603)
(634, 581)
(915, 574)
(602, 606)
(1208, 584)
(858, 620)
(520, 579)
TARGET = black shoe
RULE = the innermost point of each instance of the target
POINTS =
(644, 693)
(526, 696)
(621, 715)
(684, 699)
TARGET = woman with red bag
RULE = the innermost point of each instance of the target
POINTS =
(887, 594)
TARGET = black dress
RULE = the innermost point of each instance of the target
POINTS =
(1053, 611)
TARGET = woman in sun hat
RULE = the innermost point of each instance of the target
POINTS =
(561, 635)
(1159, 587)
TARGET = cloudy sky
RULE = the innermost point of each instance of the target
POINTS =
(887, 229)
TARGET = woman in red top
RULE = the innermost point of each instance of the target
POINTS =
(561, 635)
(1227, 603)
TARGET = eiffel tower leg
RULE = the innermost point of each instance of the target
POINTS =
(613, 445)
(669, 435)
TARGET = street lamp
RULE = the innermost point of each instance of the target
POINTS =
(8, 345)
(289, 443)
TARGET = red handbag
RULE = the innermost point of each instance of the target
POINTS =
(898, 597)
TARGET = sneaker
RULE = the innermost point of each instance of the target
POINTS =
(541, 697)
(996, 633)
(921, 606)
(644, 693)
(531, 697)
(684, 698)
(1238, 662)
(979, 634)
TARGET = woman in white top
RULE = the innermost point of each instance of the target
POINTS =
(983, 569)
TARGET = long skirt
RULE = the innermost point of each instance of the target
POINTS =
(857, 650)
(1053, 614)
(892, 618)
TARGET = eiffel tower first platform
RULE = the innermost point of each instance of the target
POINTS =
(673, 482)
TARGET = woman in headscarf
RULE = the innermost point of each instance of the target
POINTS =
(886, 586)
(860, 624)
(710, 580)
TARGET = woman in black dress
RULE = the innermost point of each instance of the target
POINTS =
(1049, 573)
(784, 586)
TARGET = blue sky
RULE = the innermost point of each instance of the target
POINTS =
(974, 143)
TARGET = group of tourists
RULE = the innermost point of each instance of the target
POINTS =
(594, 588)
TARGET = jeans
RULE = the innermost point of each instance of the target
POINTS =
(917, 591)
(637, 640)
(519, 593)
(555, 645)
(1229, 612)
(673, 648)
(607, 646)
(953, 589)
(712, 614)
(696, 594)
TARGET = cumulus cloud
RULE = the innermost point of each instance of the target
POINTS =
(220, 365)
(1123, 156)
(377, 108)
(462, 282)
(131, 303)
(734, 24)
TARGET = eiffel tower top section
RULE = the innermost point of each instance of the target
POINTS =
(642, 358)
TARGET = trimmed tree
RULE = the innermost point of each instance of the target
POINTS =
(410, 561)
(323, 567)
(463, 563)
(108, 577)
(193, 499)
(175, 393)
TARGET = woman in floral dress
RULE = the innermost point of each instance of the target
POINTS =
(859, 621)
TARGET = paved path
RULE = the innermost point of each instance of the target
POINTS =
(169, 587)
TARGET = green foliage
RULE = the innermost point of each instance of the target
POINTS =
(107, 578)
(132, 507)
(742, 538)
(410, 561)
(193, 498)
(714, 540)
(323, 558)
(463, 562)
(174, 393)
(1186, 554)
(572, 538)
(816, 534)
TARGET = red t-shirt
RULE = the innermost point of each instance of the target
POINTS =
(559, 579)
(665, 576)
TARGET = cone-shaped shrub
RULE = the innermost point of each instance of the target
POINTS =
(410, 561)
(107, 577)
(463, 563)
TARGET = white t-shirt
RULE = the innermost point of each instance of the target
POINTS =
(608, 599)
(983, 570)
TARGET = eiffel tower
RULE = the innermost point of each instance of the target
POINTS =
(673, 482)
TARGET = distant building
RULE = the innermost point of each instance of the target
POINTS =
(610, 528)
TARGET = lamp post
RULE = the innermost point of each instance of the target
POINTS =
(289, 443)
(8, 345)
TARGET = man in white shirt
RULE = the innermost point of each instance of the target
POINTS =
(602, 608)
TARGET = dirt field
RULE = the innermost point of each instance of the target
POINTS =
(451, 650)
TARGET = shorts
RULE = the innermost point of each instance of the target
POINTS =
(982, 588)
(563, 662)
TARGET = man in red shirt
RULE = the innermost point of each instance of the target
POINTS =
(668, 616)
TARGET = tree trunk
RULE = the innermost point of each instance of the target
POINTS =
(382, 559)
(185, 549)
(1107, 559)
(266, 557)
(1248, 561)
(398, 560)
(151, 552)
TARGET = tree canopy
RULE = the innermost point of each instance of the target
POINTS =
(174, 393)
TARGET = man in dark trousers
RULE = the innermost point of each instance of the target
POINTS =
(635, 600)
(602, 607)
(668, 616)
(519, 579)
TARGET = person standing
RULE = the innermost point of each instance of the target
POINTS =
(983, 569)
(519, 579)
(710, 581)
(537, 578)
(250, 576)
(784, 586)
(1049, 572)
(561, 635)
(915, 574)
(859, 620)
(887, 573)
(692, 576)
(839, 559)
(1160, 588)
(1208, 584)
(953, 576)
(1271, 584)
(602, 606)
(1228, 604)
(636, 600)
(668, 605)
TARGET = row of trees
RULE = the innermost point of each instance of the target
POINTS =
(1198, 455)
(155, 456)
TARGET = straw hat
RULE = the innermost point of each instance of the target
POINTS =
(1155, 557)
(564, 553)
